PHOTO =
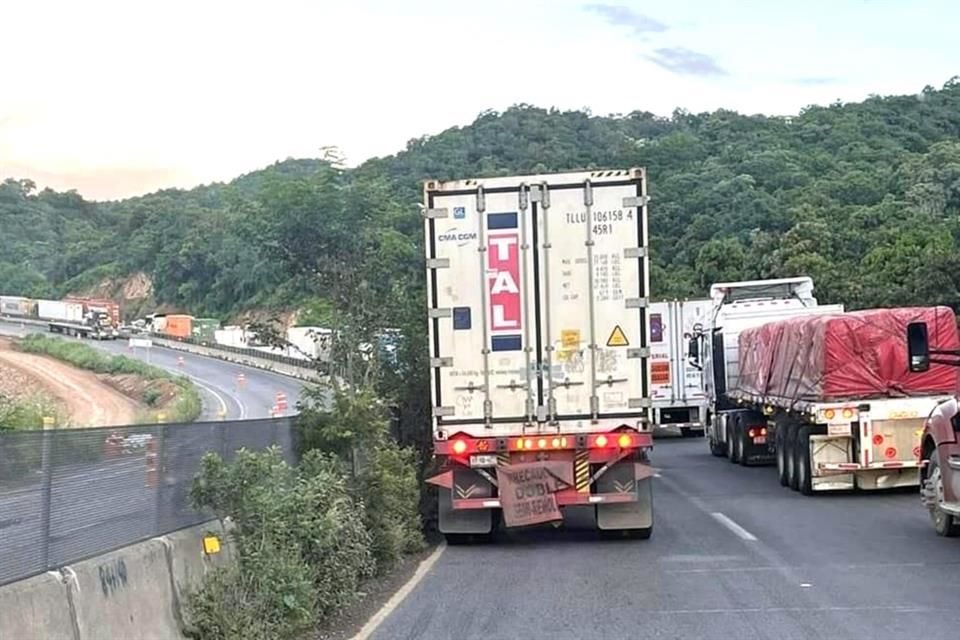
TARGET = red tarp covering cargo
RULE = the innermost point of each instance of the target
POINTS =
(860, 354)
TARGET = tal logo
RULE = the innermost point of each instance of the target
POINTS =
(503, 275)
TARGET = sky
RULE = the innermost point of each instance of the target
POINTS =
(116, 98)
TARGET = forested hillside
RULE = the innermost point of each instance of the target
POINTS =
(863, 197)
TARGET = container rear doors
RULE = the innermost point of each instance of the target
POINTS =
(674, 380)
(537, 302)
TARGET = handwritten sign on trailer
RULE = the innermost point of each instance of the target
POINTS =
(527, 491)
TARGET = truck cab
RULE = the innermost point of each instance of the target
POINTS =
(736, 306)
(940, 441)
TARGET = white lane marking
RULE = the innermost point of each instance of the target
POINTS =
(400, 595)
(740, 532)
(892, 608)
(223, 403)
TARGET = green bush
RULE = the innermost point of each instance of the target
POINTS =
(302, 547)
(391, 495)
(150, 397)
(185, 408)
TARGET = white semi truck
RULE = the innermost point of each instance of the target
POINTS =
(821, 391)
(677, 380)
(539, 346)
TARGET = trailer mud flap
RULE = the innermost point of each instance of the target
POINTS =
(478, 521)
(463, 483)
(626, 477)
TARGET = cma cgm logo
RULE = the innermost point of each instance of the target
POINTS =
(503, 276)
(460, 237)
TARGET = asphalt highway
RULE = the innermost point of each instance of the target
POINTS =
(96, 506)
(219, 383)
(733, 556)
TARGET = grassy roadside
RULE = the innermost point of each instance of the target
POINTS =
(185, 406)
(26, 413)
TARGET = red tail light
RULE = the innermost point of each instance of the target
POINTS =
(459, 447)
(601, 441)
(625, 440)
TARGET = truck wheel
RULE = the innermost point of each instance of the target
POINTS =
(716, 448)
(944, 524)
(731, 444)
(802, 449)
(790, 440)
(781, 445)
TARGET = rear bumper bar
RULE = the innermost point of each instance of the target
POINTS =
(562, 500)
(839, 468)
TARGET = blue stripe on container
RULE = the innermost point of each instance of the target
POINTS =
(506, 343)
(502, 220)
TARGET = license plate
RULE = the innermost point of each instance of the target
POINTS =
(483, 460)
(760, 440)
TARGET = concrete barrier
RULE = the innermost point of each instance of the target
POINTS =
(125, 594)
(190, 562)
(37, 607)
(291, 371)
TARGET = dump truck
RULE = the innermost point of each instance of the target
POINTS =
(539, 348)
(822, 392)
(676, 380)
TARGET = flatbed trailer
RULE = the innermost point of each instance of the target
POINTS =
(835, 417)
(95, 332)
(833, 446)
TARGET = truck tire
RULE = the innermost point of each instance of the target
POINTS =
(716, 448)
(944, 524)
(781, 445)
(802, 452)
(790, 440)
(731, 440)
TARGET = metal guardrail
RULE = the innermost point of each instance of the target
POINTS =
(70, 494)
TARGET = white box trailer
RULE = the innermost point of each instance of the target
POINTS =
(539, 346)
(16, 306)
(60, 311)
(677, 381)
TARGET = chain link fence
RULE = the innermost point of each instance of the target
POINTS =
(69, 494)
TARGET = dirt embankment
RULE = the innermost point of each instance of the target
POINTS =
(88, 400)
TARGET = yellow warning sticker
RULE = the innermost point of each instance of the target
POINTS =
(570, 338)
(617, 338)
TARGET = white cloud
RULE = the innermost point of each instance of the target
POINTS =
(116, 98)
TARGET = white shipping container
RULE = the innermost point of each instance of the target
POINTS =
(676, 382)
(538, 288)
(14, 306)
(231, 337)
(314, 342)
(60, 311)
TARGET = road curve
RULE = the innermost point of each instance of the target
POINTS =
(216, 380)
(733, 555)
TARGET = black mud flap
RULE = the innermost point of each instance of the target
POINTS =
(467, 483)
(621, 478)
